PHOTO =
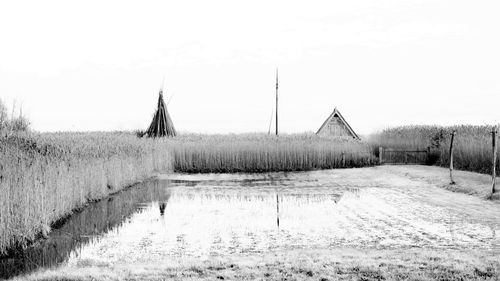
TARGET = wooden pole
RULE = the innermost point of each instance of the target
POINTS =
(276, 101)
(494, 162)
(451, 157)
(380, 155)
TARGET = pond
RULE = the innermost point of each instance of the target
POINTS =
(202, 216)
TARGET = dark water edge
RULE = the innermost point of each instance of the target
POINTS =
(71, 232)
(19, 247)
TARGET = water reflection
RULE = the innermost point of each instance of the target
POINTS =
(216, 221)
(162, 208)
(83, 226)
(277, 210)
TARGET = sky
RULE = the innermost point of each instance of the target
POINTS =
(98, 65)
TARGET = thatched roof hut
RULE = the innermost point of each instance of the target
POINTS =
(336, 126)
(162, 125)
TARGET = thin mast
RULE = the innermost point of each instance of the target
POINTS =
(276, 101)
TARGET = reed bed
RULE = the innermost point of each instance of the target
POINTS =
(43, 177)
(472, 144)
(251, 153)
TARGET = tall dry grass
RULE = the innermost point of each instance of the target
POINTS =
(43, 177)
(472, 144)
(264, 153)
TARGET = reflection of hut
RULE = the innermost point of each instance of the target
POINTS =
(336, 126)
(162, 124)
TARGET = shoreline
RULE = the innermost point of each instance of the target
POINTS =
(16, 251)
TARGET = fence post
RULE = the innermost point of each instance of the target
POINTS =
(494, 149)
(380, 155)
(451, 157)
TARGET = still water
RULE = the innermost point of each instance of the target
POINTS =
(201, 216)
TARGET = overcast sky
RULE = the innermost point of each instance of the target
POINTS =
(98, 65)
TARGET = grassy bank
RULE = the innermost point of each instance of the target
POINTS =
(264, 153)
(472, 144)
(43, 177)
(317, 264)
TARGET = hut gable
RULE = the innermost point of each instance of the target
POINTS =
(336, 126)
(162, 124)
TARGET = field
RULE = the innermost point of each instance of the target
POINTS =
(46, 176)
(472, 144)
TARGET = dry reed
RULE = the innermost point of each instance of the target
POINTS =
(264, 153)
(44, 177)
(472, 144)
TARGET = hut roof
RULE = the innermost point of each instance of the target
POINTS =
(339, 119)
(162, 125)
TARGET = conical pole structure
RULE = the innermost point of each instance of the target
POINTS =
(276, 101)
(161, 124)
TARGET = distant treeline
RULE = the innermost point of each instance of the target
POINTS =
(472, 144)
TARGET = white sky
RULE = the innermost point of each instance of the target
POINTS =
(98, 65)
